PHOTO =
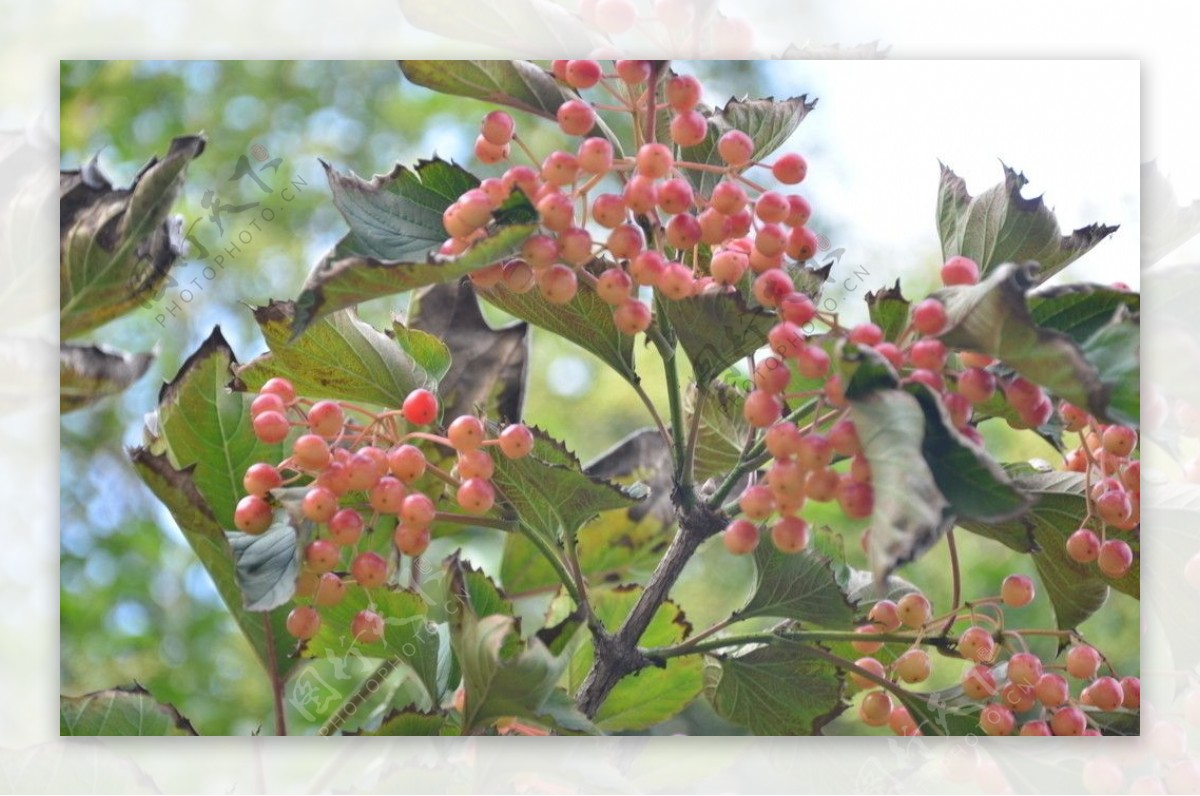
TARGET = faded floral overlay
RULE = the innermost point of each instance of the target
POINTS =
(1164, 759)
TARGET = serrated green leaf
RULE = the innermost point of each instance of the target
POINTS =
(1000, 226)
(483, 595)
(488, 368)
(339, 357)
(129, 711)
(118, 246)
(652, 695)
(502, 675)
(974, 484)
(768, 122)
(910, 512)
(408, 635)
(723, 430)
(776, 689)
(1080, 310)
(267, 564)
(993, 318)
(395, 230)
(521, 85)
(889, 311)
(1115, 351)
(801, 586)
(717, 330)
(585, 320)
(204, 534)
(207, 427)
(1076, 591)
(87, 374)
(550, 492)
(430, 353)
(410, 722)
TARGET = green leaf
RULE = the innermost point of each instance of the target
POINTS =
(768, 122)
(267, 564)
(87, 374)
(1115, 350)
(722, 433)
(207, 427)
(910, 512)
(1001, 226)
(502, 675)
(802, 586)
(395, 231)
(429, 353)
(550, 492)
(1115, 722)
(585, 320)
(178, 492)
(1075, 590)
(889, 311)
(1079, 310)
(943, 713)
(118, 246)
(339, 357)
(975, 485)
(993, 318)
(483, 596)
(521, 85)
(411, 722)
(717, 330)
(488, 366)
(652, 695)
(776, 689)
(124, 711)
(408, 635)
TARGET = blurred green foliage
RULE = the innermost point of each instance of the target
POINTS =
(135, 603)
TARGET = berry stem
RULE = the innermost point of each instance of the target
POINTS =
(366, 688)
(956, 576)
(537, 164)
(658, 421)
(276, 680)
(555, 561)
(651, 111)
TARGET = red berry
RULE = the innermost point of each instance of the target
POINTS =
(497, 128)
(790, 534)
(790, 169)
(676, 281)
(875, 709)
(346, 527)
(683, 92)
(683, 231)
(689, 128)
(267, 402)
(1083, 546)
(559, 169)
(330, 590)
(641, 194)
(489, 153)
(979, 683)
(772, 375)
(736, 148)
(369, 570)
(303, 622)
(558, 284)
(575, 117)
(406, 462)
(1018, 698)
(867, 334)
(420, 407)
(913, 666)
(1024, 668)
(822, 485)
(929, 317)
(976, 644)
(556, 211)
(271, 427)
(1068, 721)
(632, 317)
(518, 276)
(976, 385)
(367, 627)
(311, 452)
(281, 387)
(786, 340)
(475, 464)
(901, 722)
(740, 537)
(582, 73)
(540, 251)
(771, 287)
(322, 555)
(411, 540)
(625, 241)
(728, 198)
(928, 354)
(1052, 690)
(609, 210)
(466, 433)
(632, 72)
(762, 409)
(1115, 558)
(757, 502)
(418, 510)
(1074, 418)
(654, 160)
(997, 720)
(1105, 693)
(729, 266)
(812, 362)
(575, 246)
(856, 499)
(319, 504)
(675, 195)
(844, 438)
(1017, 591)
(261, 478)
(1114, 507)
(476, 496)
(914, 610)
(1083, 662)
(516, 441)
(252, 515)
(1036, 727)
(1119, 440)
(1131, 687)
(387, 495)
(960, 271)
(802, 244)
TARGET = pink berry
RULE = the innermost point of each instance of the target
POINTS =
(976, 644)
(367, 627)
(406, 462)
(790, 169)
(575, 117)
(675, 195)
(1068, 721)
(689, 128)
(728, 198)
(420, 408)
(346, 527)
(625, 241)
(1036, 727)
(676, 281)
(310, 452)
(1083, 546)
(802, 244)
(1115, 558)
(267, 402)
(929, 317)
(871, 665)
(252, 515)
(736, 148)
(417, 509)
(322, 555)
(582, 73)
(1119, 440)
(1106, 693)
(997, 720)
(387, 495)
(369, 570)
(960, 270)
(281, 387)
(654, 160)
(1017, 591)
(740, 537)
(631, 72)
(1083, 662)
(271, 427)
(761, 409)
(303, 622)
(979, 683)
(913, 666)
(976, 385)
(757, 502)
(466, 433)
(683, 231)
(411, 540)
(476, 496)
(885, 616)
(771, 287)
(261, 478)
(1052, 690)
(558, 284)
(914, 610)
(632, 317)
(498, 128)
(683, 92)
(516, 441)
(875, 709)
(790, 534)
(489, 153)
(330, 590)
(1024, 668)
(928, 354)
(319, 504)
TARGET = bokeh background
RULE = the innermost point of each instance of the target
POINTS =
(135, 602)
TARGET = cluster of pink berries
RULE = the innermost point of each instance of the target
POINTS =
(1027, 696)
(745, 226)
(358, 466)
(1114, 490)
